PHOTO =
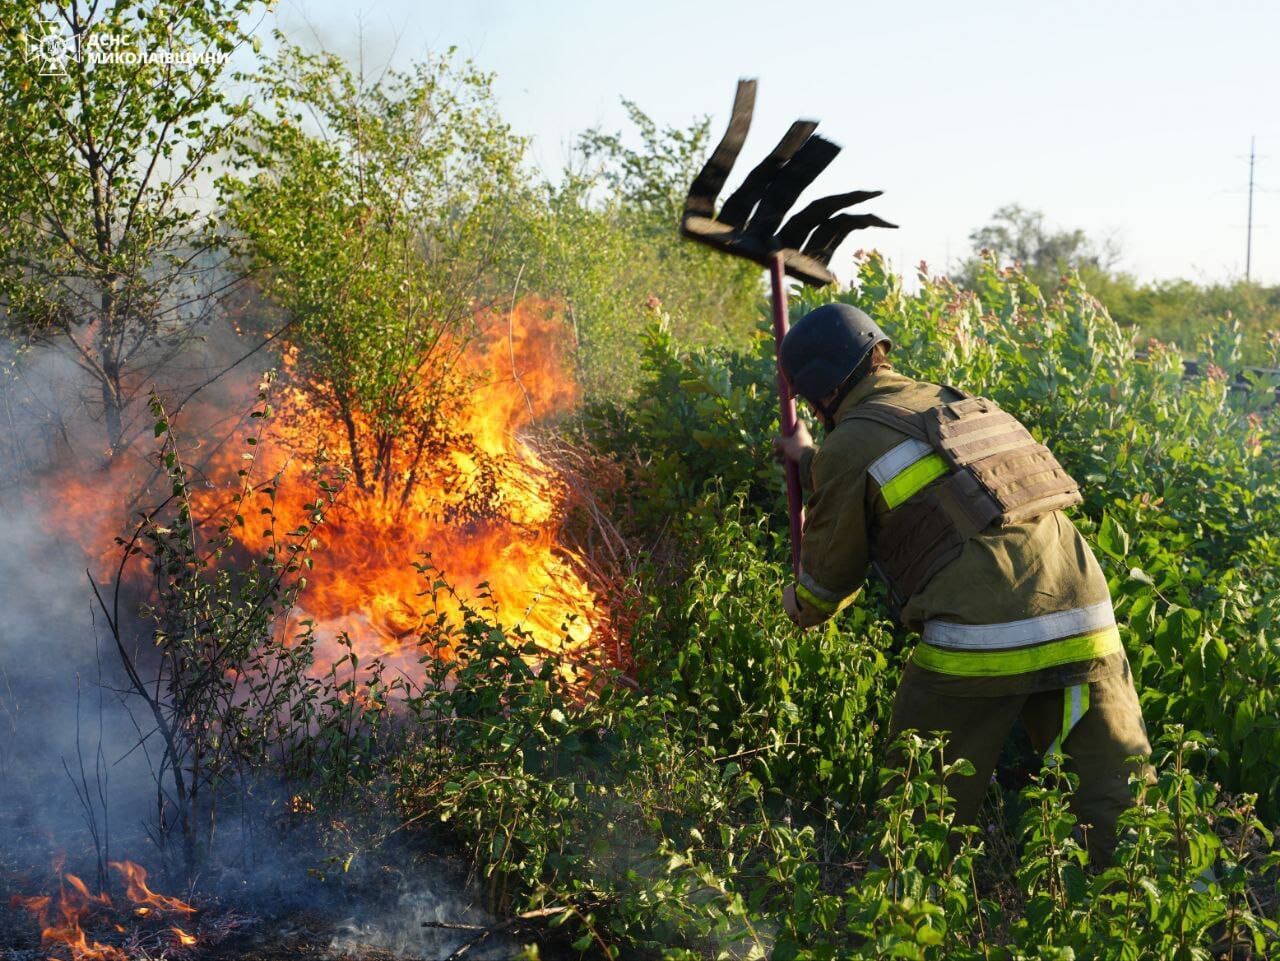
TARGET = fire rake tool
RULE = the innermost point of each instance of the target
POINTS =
(748, 226)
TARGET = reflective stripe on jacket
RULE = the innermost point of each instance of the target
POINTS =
(1017, 647)
(905, 470)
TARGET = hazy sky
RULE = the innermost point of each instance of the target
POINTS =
(1129, 119)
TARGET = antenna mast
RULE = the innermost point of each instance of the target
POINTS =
(1248, 242)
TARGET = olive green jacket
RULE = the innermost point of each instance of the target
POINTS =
(1024, 607)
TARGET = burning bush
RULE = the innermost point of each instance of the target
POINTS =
(471, 492)
(276, 592)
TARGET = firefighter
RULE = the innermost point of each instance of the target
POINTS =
(960, 512)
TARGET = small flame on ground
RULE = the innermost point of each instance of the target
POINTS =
(76, 904)
(82, 892)
(136, 890)
(37, 904)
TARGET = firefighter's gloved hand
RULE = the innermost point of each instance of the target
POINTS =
(791, 605)
(802, 615)
(792, 447)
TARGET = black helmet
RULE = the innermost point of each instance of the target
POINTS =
(825, 347)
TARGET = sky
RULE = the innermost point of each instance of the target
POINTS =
(1130, 119)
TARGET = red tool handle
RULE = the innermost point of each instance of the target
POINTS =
(787, 407)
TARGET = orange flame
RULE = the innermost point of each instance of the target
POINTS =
(477, 496)
(83, 895)
(37, 904)
(76, 903)
(183, 939)
(81, 948)
(481, 501)
(136, 890)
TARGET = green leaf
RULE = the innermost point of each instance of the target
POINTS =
(1112, 538)
(1141, 576)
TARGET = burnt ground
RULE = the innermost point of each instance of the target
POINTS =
(278, 892)
(409, 902)
(372, 926)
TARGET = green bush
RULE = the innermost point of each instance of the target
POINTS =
(618, 819)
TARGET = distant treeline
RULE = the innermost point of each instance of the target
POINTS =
(1201, 319)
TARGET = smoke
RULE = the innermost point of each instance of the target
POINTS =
(71, 759)
(407, 925)
(64, 730)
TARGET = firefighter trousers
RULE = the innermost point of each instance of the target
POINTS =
(1097, 749)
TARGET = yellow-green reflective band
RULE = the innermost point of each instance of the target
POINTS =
(1020, 660)
(913, 479)
(1075, 702)
(812, 599)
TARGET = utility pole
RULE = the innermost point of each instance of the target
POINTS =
(1248, 242)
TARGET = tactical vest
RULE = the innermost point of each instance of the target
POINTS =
(968, 465)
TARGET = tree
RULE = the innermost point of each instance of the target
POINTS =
(1231, 323)
(652, 181)
(1201, 319)
(374, 211)
(604, 242)
(1019, 235)
(111, 119)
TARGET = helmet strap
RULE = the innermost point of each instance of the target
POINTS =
(828, 411)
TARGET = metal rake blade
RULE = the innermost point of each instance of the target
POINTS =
(748, 222)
